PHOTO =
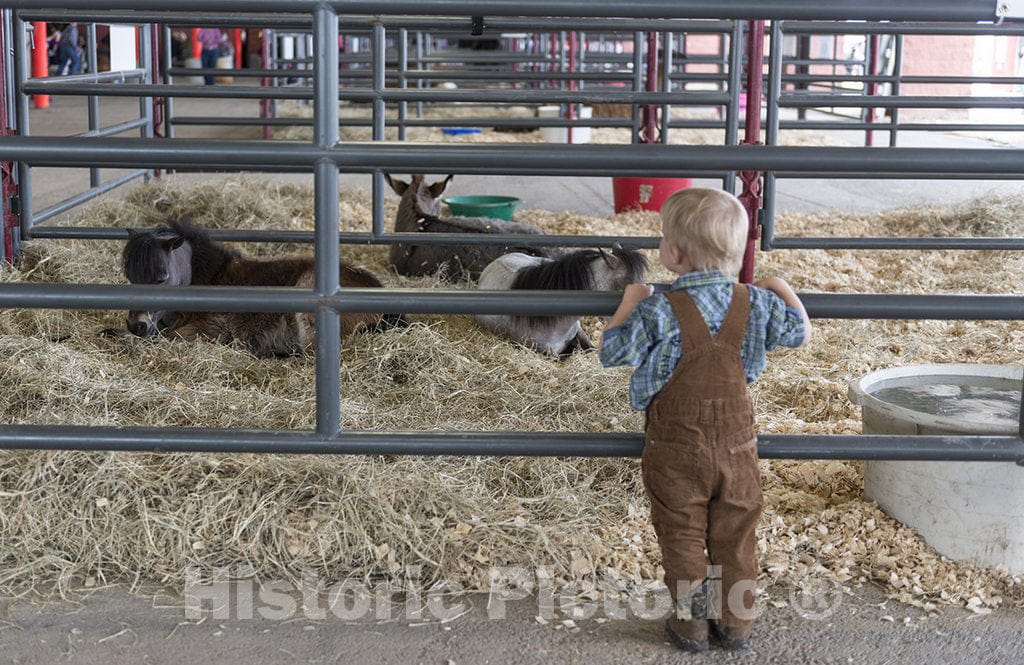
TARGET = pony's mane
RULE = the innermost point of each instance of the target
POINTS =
(568, 273)
(634, 262)
(572, 272)
(138, 257)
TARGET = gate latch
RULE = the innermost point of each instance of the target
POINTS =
(478, 26)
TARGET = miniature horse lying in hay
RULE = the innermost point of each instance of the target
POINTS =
(181, 253)
(584, 270)
(420, 210)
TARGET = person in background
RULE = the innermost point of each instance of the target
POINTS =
(212, 40)
(69, 59)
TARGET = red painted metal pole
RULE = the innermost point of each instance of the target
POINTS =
(236, 39)
(197, 48)
(40, 61)
(649, 111)
(752, 180)
(8, 187)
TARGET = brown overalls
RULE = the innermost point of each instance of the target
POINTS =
(700, 464)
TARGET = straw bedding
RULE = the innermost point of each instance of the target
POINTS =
(68, 518)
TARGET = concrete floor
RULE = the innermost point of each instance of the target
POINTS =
(117, 627)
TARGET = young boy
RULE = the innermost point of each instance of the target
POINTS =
(696, 347)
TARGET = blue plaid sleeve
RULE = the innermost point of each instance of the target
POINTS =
(627, 343)
(785, 324)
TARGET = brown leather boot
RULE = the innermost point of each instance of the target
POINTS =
(731, 637)
(688, 635)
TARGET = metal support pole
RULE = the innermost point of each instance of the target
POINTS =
(666, 83)
(732, 108)
(775, 66)
(403, 68)
(325, 192)
(166, 45)
(21, 74)
(146, 103)
(638, 82)
(897, 73)
(377, 184)
(94, 101)
(751, 195)
(871, 65)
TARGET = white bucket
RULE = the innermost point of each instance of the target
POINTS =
(225, 62)
(194, 63)
(965, 510)
(561, 134)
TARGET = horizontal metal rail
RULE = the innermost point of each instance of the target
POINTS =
(118, 76)
(485, 96)
(909, 127)
(115, 129)
(898, 243)
(87, 195)
(886, 78)
(910, 102)
(526, 123)
(868, 10)
(905, 28)
(468, 301)
(516, 159)
(360, 25)
(492, 444)
(357, 238)
(431, 75)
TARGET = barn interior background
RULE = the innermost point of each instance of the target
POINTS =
(440, 445)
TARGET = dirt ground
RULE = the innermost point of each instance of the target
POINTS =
(112, 626)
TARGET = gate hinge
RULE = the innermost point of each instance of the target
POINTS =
(14, 204)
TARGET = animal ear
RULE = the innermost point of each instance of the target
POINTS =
(438, 187)
(131, 232)
(396, 184)
(175, 243)
(169, 240)
(604, 256)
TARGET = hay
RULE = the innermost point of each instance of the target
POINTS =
(67, 517)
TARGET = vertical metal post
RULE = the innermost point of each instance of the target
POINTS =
(650, 120)
(583, 57)
(871, 67)
(379, 82)
(803, 56)
(167, 46)
(21, 66)
(775, 66)
(403, 68)
(419, 66)
(666, 81)
(93, 100)
(732, 109)
(897, 76)
(146, 103)
(752, 186)
(638, 82)
(325, 194)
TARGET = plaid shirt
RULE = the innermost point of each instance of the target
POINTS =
(649, 338)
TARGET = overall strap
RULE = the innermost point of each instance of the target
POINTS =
(693, 331)
(734, 327)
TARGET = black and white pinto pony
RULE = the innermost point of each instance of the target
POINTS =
(583, 270)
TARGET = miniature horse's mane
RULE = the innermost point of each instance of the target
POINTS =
(573, 272)
(208, 256)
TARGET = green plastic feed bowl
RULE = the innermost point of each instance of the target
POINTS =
(496, 207)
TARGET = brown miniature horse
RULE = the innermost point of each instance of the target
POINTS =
(420, 211)
(181, 253)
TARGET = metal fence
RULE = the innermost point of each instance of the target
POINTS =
(325, 156)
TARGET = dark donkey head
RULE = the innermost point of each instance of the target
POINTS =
(419, 200)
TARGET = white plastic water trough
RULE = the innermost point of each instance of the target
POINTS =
(971, 511)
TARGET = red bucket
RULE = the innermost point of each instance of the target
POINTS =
(645, 193)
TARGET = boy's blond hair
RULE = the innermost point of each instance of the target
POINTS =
(709, 225)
